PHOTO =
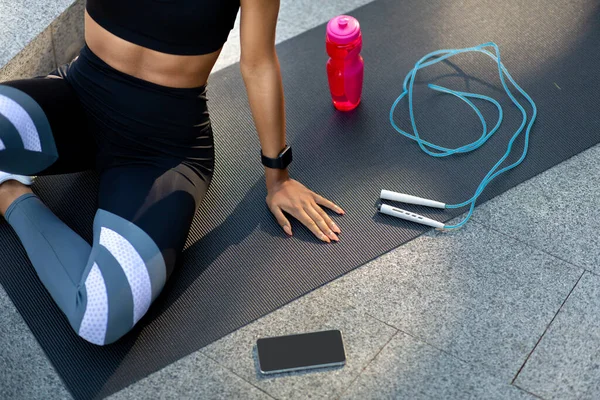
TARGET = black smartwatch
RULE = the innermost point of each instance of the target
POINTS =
(281, 162)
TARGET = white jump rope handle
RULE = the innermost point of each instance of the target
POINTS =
(400, 213)
(408, 199)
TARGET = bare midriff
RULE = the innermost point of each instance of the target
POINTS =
(160, 68)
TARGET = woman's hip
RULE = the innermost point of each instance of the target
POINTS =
(139, 122)
(121, 102)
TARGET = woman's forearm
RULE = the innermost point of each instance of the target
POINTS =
(265, 94)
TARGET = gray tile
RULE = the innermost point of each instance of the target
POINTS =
(298, 16)
(68, 33)
(35, 59)
(555, 211)
(363, 338)
(23, 21)
(295, 17)
(25, 372)
(410, 369)
(566, 363)
(307, 14)
(192, 377)
(475, 293)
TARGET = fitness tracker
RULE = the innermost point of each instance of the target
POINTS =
(281, 162)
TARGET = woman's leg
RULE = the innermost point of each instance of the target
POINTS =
(43, 127)
(43, 130)
(143, 220)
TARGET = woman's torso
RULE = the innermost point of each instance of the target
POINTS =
(180, 52)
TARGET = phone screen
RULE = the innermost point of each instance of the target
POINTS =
(303, 351)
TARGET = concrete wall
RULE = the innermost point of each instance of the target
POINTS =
(37, 37)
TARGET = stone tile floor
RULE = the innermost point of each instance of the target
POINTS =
(505, 308)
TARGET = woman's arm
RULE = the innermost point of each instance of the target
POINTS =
(260, 69)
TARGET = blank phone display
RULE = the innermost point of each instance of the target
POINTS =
(295, 352)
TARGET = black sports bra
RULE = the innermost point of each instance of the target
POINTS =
(184, 27)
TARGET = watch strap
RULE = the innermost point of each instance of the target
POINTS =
(281, 162)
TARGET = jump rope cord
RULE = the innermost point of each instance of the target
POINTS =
(441, 55)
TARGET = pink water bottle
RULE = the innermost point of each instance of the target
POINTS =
(345, 67)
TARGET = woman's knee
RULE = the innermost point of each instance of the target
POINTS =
(125, 275)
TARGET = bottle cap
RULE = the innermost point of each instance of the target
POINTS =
(343, 29)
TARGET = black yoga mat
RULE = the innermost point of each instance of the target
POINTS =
(238, 265)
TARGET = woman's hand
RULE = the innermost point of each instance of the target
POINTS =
(305, 205)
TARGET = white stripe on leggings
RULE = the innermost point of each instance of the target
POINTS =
(22, 123)
(2, 146)
(134, 267)
(95, 320)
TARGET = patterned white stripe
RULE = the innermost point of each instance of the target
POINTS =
(22, 122)
(2, 146)
(95, 320)
(134, 267)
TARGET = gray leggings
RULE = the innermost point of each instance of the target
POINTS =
(155, 162)
(103, 289)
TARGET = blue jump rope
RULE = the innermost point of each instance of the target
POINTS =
(439, 151)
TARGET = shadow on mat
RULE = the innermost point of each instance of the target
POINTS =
(91, 371)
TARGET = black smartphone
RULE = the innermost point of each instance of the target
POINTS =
(300, 352)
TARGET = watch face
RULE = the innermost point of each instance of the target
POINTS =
(286, 156)
(285, 151)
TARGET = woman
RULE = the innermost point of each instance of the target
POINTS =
(133, 106)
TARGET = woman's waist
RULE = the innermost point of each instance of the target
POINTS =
(115, 97)
(171, 70)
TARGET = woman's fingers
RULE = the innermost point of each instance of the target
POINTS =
(282, 220)
(311, 210)
(329, 204)
(303, 217)
(332, 225)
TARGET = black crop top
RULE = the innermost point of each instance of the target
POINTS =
(184, 27)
